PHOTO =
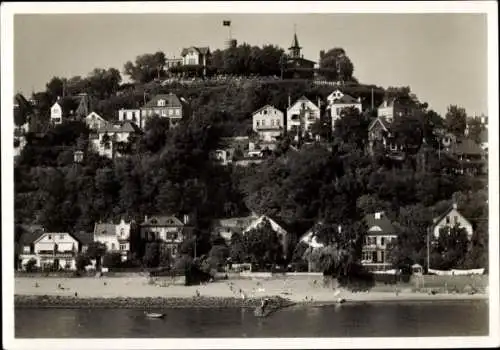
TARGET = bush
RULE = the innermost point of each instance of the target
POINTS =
(112, 260)
(81, 262)
(30, 266)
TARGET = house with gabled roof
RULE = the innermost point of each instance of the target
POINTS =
(195, 56)
(467, 156)
(301, 115)
(116, 237)
(268, 123)
(450, 218)
(106, 140)
(56, 113)
(379, 239)
(227, 227)
(94, 121)
(337, 102)
(51, 249)
(164, 106)
(167, 229)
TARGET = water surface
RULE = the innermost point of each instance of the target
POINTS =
(378, 319)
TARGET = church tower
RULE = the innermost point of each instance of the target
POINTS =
(294, 50)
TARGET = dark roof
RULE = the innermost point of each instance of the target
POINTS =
(380, 120)
(105, 229)
(118, 127)
(466, 146)
(163, 220)
(346, 99)
(84, 238)
(202, 50)
(171, 100)
(384, 223)
(295, 42)
(299, 59)
(436, 220)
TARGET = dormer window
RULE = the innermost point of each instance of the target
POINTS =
(161, 103)
(154, 221)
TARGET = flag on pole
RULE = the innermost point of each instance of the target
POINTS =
(226, 23)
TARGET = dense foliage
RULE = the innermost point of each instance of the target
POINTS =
(169, 170)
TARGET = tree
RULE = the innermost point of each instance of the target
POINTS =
(451, 248)
(55, 88)
(336, 65)
(152, 254)
(475, 128)
(96, 250)
(262, 245)
(237, 249)
(30, 266)
(147, 67)
(351, 128)
(456, 120)
(155, 134)
(112, 259)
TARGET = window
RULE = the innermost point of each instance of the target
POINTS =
(122, 232)
(382, 256)
(133, 116)
(374, 257)
(113, 246)
(382, 241)
(265, 112)
(163, 113)
(49, 236)
(177, 112)
(170, 112)
(447, 220)
(258, 123)
(161, 103)
(123, 247)
(107, 145)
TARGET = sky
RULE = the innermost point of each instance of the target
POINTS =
(442, 57)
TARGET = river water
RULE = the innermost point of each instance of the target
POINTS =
(375, 319)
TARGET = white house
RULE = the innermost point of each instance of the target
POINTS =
(94, 121)
(116, 237)
(337, 101)
(131, 115)
(268, 123)
(56, 113)
(302, 115)
(195, 55)
(105, 139)
(379, 240)
(51, 249)
(280, 231)
(449, 219)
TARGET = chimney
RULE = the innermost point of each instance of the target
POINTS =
(319, 102)
(359, 99)
(145, 218)
(186, 219)
(455, 206)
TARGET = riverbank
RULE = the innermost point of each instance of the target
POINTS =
(168, 292)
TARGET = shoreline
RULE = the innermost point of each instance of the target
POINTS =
(66, 302)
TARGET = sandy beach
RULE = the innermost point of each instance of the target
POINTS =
(297, 290)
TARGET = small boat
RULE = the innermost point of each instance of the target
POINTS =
(153, 315)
